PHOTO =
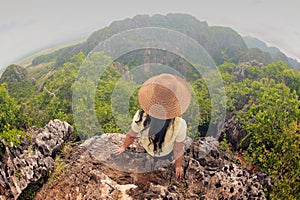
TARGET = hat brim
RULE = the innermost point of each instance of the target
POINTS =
(164, 96)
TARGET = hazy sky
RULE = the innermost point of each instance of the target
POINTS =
(26, 26)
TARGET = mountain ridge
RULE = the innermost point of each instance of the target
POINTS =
(274, 52)
(220, 42)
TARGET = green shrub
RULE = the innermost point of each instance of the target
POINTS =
(12, 135)
(273, 125)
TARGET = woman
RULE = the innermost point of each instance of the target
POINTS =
(163, 99)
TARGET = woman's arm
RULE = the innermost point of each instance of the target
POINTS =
(130, 136)
(178, 155)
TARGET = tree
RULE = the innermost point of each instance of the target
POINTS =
(272, 122)
(8, 109)
(9, 117)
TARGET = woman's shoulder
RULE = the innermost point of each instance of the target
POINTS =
(179, 121)
(179, 127)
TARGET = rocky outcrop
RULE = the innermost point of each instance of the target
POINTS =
(240, 70)
(233, 129)
(27, 163)
(234, 133)
(13, 74)
(49, 140)
(93, 172)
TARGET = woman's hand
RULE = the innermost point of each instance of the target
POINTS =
(178, 155)
(130, 136)
(119, 150)
(178, 171)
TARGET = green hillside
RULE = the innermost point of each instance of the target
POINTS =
(274, 52)
(27, 61)
(262, 122)
(218, 41)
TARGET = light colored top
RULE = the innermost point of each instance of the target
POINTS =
(175, 133)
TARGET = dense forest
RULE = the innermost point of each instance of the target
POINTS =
(262, 97)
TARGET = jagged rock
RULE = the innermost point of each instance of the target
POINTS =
(232, 128)
(32, 160)
(234, 133)
(50, 139)
(84, 178)
(240, 70)
(208, 174)
(33, 80)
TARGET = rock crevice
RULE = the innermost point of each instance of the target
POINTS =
(32, 160)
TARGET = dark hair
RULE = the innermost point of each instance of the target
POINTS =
(157, 129)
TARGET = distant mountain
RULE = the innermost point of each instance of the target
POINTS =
(222, 43)
(256, 43)
(14, 74)
(1, 71)
(27, 60)
(274, 52)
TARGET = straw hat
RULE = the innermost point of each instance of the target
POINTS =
(165, 96)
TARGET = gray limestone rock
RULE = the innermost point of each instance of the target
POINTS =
(30, 161)
(208, 174)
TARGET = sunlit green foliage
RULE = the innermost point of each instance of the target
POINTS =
(267, 105)
(54, 101)
(265, 100)
(8, 109)
(202, 94)
(9, 118)
(271, 121)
